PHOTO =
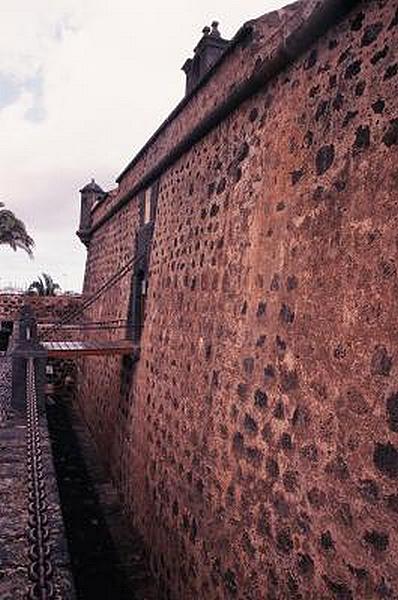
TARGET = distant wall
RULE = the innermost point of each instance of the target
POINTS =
(48, 309)
(255, 443)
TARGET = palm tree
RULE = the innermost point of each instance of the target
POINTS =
(13, 232)
(44, 286)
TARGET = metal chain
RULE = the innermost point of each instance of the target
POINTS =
(40, 570)
(109, 283)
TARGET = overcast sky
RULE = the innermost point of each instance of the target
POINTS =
(83, 84)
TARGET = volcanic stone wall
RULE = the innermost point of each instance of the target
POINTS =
(267, 34)
(100, 380)
(48, 309)
(255, 443)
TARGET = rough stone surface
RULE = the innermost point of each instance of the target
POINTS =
(48, 311)
(5, 386)
(14, 555)
(107, 557)
(47, 308)
(274, 270)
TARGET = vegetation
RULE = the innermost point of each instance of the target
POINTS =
(13, 231)
(44, 285)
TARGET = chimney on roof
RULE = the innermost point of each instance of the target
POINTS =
(207, 52)
(90, 194)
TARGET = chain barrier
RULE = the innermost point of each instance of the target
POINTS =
(113, 280)
(41, 585)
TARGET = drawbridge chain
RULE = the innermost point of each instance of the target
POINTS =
(95, 296)
(40, 572)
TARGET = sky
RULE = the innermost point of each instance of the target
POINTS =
(83, 85)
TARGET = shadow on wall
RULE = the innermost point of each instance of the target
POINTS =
(95, 560)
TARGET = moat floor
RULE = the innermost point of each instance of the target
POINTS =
(107, 559)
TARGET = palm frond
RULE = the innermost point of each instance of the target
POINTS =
(44, 285)
(13, 232)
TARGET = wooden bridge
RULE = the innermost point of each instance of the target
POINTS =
(89, 348)
(27, 345)
(35, 556)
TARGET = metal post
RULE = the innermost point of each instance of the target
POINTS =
(25, 345)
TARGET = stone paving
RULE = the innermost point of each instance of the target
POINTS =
(14, 557)
(106, 558)
(13, 510)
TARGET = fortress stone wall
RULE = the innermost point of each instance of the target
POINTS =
(255, 441)
(48, 309)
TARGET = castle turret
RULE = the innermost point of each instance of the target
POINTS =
(90, 195)
(206, 53)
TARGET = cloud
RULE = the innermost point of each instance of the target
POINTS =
(82, 87)
(12, 88)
